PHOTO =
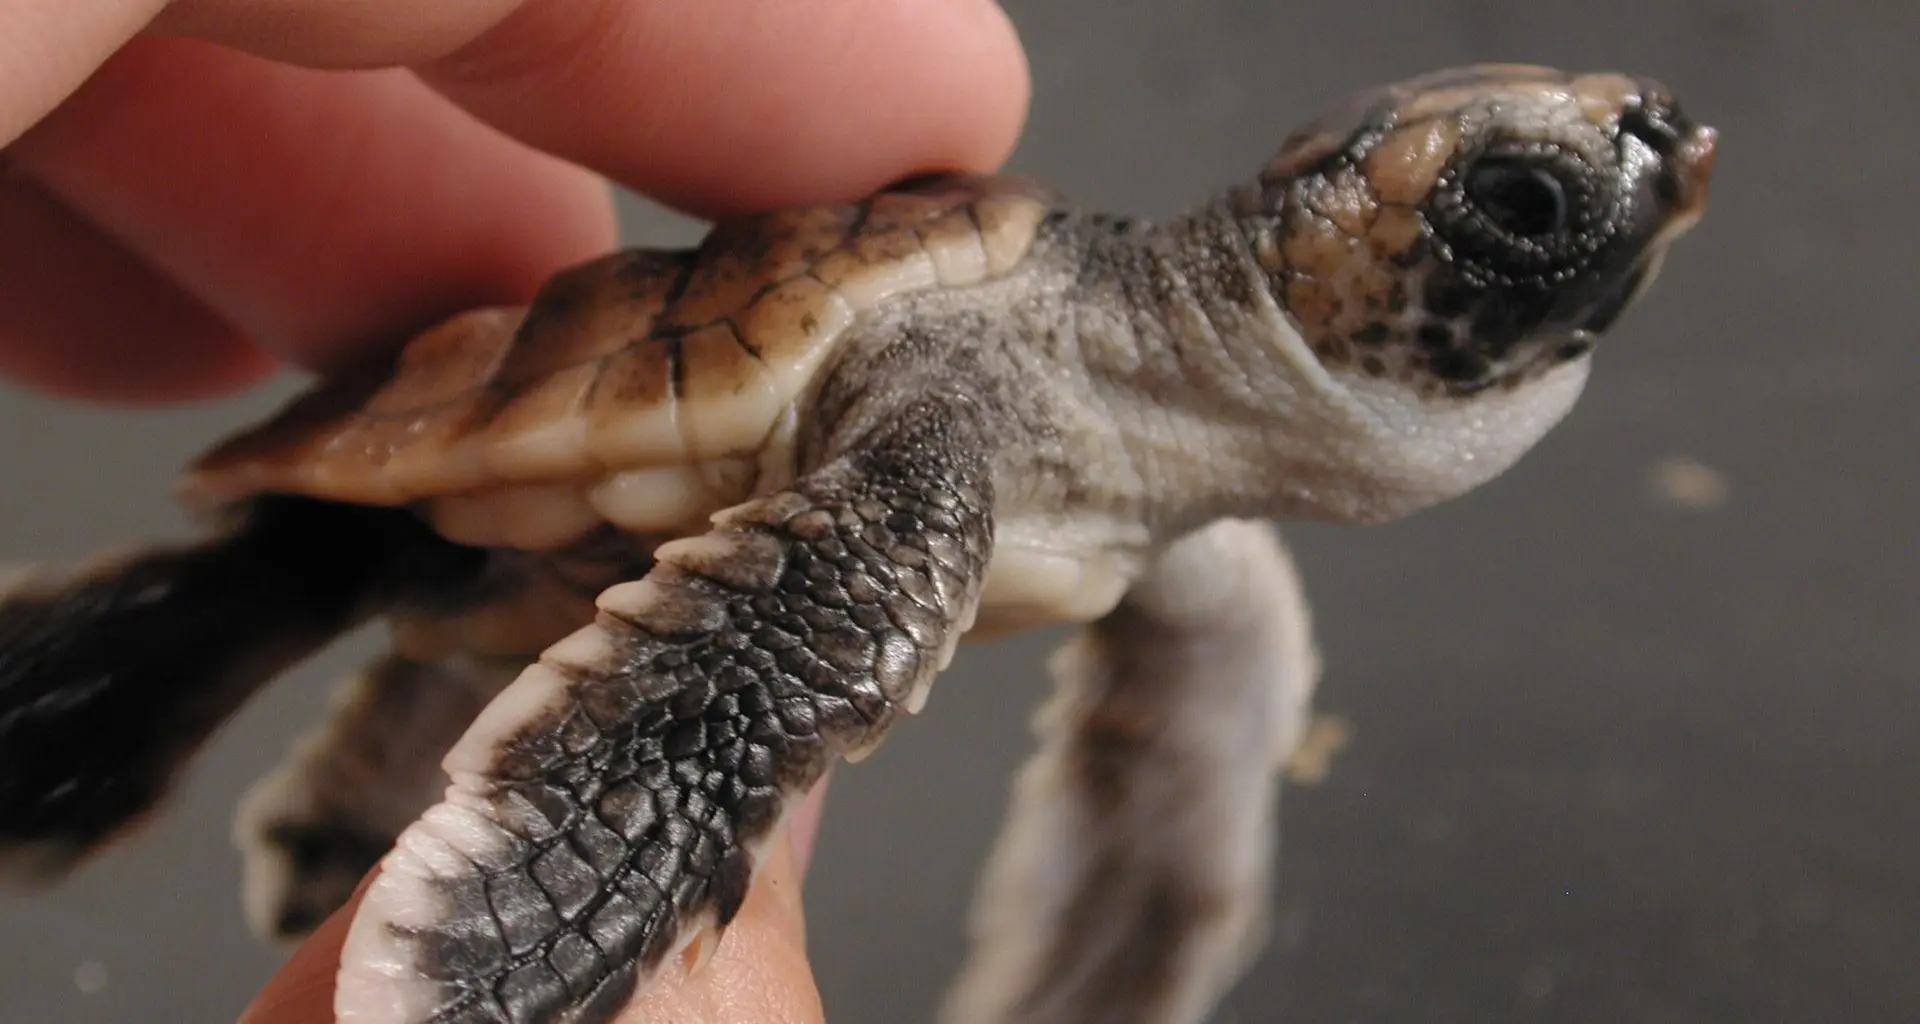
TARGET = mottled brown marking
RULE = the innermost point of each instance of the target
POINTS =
(542, 401)
(720, 363)
(791, 319)
(742, 259)
(729, 394)
(795, 643)
(1416, 99)
(1471, 94)
(898, 214)
(538, 428)
(591, 310)
(484, 398)
(1405, 164)
(1314, 247)
(951, 226)
(1314, 143)
(724, 280)
(1346, 201)
(884, 248)
(275, 454)
(1333, 351)
(1397, 230)
(443, 364)
(635, 376)
(1312, 303)
(1301, 153)
(838, 267)
(1603, 97)
(341, 437)
(1369, 290)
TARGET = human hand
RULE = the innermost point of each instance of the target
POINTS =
(189, 202)
(192, 198)
(758, 974)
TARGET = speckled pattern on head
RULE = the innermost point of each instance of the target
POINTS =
(658, 550)
(1428, 230)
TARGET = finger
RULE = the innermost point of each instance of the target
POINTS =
(336, 33)
(48, 47)
(74, 299)
(318, 213)
(723, 105)
(804, 827)
(759, 972)
(710, 105)
(391, 212)
(301, 991)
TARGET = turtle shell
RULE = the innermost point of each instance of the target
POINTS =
(643, 388)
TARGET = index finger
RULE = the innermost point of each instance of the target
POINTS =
(708, 105)
(711, 105)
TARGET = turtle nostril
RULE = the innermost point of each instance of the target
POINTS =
(1651, 125)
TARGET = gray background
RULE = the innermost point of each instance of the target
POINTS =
(1614, 760)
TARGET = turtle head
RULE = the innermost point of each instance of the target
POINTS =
(1476, 228)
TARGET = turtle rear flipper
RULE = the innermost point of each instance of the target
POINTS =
(112, 677)
(1131, 880)
(309, 831)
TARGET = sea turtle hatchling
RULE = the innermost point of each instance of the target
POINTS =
(660, 548)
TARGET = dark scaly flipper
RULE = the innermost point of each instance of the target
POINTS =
(614, 802)
(1129, 885)
(111, 678)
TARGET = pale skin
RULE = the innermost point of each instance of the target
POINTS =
(193, 199)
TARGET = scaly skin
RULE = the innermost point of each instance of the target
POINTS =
(964, 411)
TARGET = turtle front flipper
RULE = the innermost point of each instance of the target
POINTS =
(614, 803)
(111, 678)
(1130, 882)
(310, 830)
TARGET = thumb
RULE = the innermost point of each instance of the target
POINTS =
(759, 973)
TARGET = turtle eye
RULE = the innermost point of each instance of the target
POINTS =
(1518, 197)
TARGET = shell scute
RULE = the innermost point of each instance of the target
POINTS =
(727, 395)
(539, 427)
(742, 260)
(642, 358)
(632, 412)
(588, 312)
(785, 328)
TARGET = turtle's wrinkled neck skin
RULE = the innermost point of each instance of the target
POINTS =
(1391, 315)
(662, 547)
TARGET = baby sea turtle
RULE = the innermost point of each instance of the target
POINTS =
(660, 548)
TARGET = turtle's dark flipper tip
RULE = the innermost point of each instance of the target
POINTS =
(112, 676)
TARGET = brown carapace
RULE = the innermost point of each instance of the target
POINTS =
(659, 549)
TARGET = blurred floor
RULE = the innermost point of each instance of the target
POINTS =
(1630, 743)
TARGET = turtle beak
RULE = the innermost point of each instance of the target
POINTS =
(1685, 149)
(1690, 166)
(1693, 168)
(1631, 286)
